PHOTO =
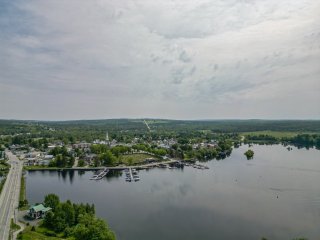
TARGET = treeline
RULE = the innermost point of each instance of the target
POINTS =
(300, 140)
(62, 158)
(262, 137)
(125, 130)
(74, 220)
(305, 140)
(186, 151)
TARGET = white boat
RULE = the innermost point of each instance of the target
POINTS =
(100, 175)
(136, 178)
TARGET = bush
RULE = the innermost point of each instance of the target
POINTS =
(249, 154)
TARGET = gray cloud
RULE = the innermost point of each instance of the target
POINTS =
(170, 59)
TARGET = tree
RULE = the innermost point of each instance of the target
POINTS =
(107, 158)
(52, 200)
(49, 220)
(249, 154)
(92, 228)
(69, 213)
(81, 163)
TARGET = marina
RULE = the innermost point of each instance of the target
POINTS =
(100, 174)
(131, 175)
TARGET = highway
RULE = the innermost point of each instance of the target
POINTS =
(9, 198)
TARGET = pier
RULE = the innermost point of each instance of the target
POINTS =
(132, 175)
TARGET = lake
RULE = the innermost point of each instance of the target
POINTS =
(276, 195)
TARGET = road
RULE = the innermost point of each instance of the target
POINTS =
(9, 198)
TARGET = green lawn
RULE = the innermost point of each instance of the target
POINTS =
(135, 158)
(14, 227)
(40, 167)
(22, 189)
(38, 234)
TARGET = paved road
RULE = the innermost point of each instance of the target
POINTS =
(10, 195)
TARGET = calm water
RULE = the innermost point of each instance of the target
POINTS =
(276, 195)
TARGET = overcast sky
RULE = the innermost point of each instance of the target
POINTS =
(178, 59)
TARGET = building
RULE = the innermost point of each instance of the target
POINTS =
(38, 211)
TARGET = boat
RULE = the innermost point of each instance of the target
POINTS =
(94, 177)
(161, 165)
(136, 178)
(100, 175)
(128, 179)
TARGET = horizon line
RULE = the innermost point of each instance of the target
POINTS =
(168, 119)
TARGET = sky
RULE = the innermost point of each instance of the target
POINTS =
(173, 59)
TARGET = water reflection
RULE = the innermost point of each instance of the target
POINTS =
(276, 195)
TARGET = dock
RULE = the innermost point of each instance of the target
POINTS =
(132, 175)
(100, 174)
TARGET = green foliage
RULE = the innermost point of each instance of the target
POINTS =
(107, 158)
(52, 200)
(14, 227)
(39, 233)
(249, 154)
(261, 137)
(91, 228)
(23, 202)
(99, 148)
(81, 163)
(306, 140)
(76, 220)
(59, 151)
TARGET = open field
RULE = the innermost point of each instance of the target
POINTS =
(39, 234)
(276, 134)
(135, 158)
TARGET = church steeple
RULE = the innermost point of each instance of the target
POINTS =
(107, 137)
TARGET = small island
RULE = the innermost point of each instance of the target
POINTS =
(249, 154)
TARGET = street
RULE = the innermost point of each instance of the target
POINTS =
(10, 195)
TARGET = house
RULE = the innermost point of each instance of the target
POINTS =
(38, 211)
(31, 161)
(44, 162)
(48, 157)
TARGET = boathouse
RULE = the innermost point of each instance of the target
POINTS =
(38, 211)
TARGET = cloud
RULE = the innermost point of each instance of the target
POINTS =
(170, 59)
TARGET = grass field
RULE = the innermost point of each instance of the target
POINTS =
(39, 234)
(134, 158)
(276, 134)
(22, 195)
